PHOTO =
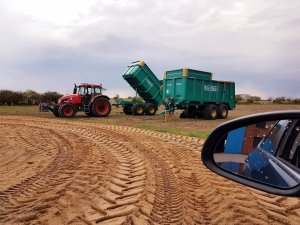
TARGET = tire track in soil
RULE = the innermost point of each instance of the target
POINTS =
(201, 195)
(154, 178)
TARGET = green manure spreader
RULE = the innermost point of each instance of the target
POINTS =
(192, 91)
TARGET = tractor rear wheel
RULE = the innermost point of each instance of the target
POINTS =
(211, 112)
(127, 109)
(138, 109)
(222, 111)
(101, 107)
(67, 110)
(150, 109)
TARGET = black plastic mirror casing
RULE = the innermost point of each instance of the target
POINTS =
(212, 141)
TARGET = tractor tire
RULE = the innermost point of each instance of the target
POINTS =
(55, 111)
(127, 109)
(67, 110)
(138, 109)
(222, 111)
(210, 112)
(101, 107)
(150, 109)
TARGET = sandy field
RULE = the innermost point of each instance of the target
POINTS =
(57, 171)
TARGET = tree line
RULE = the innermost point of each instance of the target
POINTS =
(28, 97)
(248, 99)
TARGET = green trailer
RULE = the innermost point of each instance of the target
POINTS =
(139, 76)
(198, 95)
(193, 91)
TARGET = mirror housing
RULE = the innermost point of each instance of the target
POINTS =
(217, 135)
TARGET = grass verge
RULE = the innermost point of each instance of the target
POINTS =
(183, 132)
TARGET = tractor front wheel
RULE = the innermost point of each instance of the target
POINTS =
(101, 107)
(67, 110)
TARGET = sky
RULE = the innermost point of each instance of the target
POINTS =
(47, 45)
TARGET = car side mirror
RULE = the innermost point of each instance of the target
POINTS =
(261, 151)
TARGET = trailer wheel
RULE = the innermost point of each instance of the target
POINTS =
(150, 109)
(67, 110)
(222, 111)
(127, 109)
(55, 111)
(211, 112)
(138, 109)
(101, 107)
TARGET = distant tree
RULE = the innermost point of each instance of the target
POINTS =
(279, 100)
(31, 97)
(5, 97)
(50, 96)
(256, 98)
(296, 101)
(239, 98)
(117, 97)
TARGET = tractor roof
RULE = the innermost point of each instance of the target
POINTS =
(89, 85)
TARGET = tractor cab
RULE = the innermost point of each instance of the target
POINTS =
(87, 89)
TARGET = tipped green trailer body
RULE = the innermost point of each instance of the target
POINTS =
(191, 90)
(139, 76)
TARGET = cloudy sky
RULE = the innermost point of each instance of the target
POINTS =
(51, 44)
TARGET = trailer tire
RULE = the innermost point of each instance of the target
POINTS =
(222, 111)
(127, 109)
(101, 107)
(67, 110)
(138, 109)
(211, 112)
(183, 114)
(150, 109)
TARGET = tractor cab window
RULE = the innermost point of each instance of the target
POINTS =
(82, 90)
(98, 90)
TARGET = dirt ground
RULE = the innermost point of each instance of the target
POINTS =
(56, 171)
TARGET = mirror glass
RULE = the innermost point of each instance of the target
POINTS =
(267, 152)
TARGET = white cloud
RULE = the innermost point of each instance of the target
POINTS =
(59, 42)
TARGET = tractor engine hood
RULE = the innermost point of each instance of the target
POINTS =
(69, 98)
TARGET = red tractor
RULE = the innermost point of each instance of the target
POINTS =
(87, 98)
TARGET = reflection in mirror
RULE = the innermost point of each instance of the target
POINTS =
(267, 152)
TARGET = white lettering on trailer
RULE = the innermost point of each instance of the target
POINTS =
(210, 88)
(149, 82)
